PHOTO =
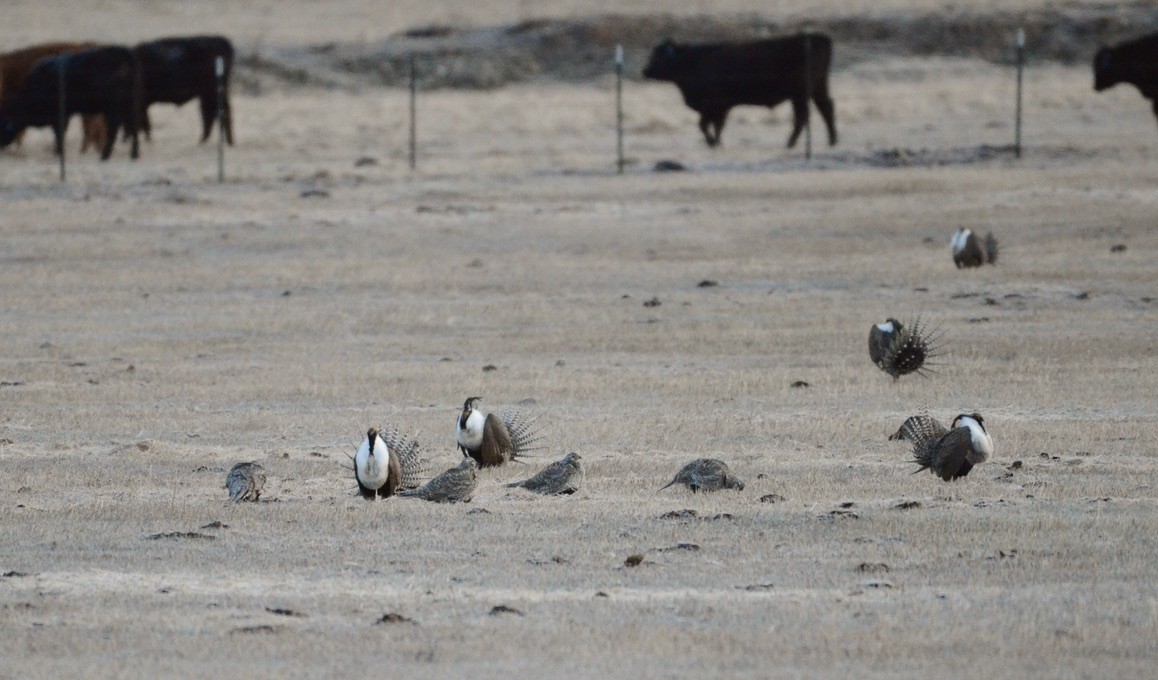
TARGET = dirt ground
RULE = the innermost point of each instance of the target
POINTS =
(159, 327)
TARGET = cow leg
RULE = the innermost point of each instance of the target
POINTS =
(712, 125)
(799, 118)
(133, 133)
(146, 125)
(94, 133)
(706, 128)
(208, 115)
(113, 123)
(58, 134)
(828, 112)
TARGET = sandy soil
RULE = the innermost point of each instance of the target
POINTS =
(159, 327)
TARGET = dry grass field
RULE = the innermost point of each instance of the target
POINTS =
(158, 327)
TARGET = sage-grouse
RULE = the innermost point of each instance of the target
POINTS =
(245, 481)
(970, 251)
(561, 477)
(706, 474)
(950, 453)
(456, 485)
(899, 349)
(491, 440)
(386, 462)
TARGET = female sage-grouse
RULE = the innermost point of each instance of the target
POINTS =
(386, 462)
(245, 481)
(949, 453)
(970, 251)
(898, 349)
(491, 440)
(456, 485)
(561, 477)
(706, 474)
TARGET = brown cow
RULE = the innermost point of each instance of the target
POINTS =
(14, 68)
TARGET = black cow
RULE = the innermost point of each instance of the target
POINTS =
(176, 70)
(715, 77)
(104, 81)
(1134, 62)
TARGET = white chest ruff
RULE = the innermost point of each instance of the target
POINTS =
(886, 327)
(982, 444)
(959, 240)
(470, 435)
(373, 467)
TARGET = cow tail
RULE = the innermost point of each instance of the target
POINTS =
(138, 97)
(138, 91)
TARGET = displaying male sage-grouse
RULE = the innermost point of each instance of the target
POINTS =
(491, 440)
(899, 349)
(561, 477)
(245, 481)
(949, 453)
(456, 485)
(706, 474)
(970, 251)
(386, 462)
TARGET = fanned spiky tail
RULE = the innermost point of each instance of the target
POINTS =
(911, 349)
(414, 466)
(923, 432)
(526, 434)
(990, 248)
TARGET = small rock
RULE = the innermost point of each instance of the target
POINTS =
(772, 498)
(680, 514)
(365, 161)
(801, 383)
(668, 165)
(479, 511)
(1015, 465)
(707, 283)
(872, 568)
(633, 561)
(504, 609)
(216, 524)
(285, 612)
(489, 367)
(395, 618)
(690, 547)
(264, 628)
(180, 534)
(1118, 248)
(654, 302)
(907, 505)
(839, 514)
(315, 193)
